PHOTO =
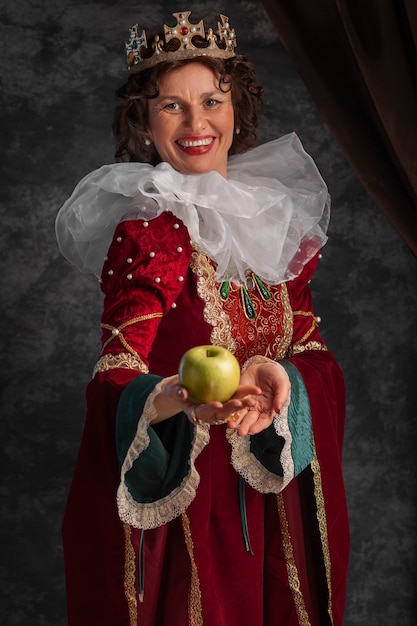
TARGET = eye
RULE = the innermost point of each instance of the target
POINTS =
(172, 106)
(211, 102)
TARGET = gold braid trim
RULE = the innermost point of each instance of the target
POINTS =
(301, 345)
(310, 345)
(124, 360)
(293, 577)
(195, 612)
(130, 577)
(314, 324)
(321, 517)
(116, 331)
(305, 313)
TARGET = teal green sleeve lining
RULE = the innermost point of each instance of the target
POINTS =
(299, 420)
(161, 467)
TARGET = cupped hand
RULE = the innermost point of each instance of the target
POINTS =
(275, 387)
(213, 413)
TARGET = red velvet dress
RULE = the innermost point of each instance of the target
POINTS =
(161, 298)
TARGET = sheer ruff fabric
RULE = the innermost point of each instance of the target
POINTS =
(269, 216)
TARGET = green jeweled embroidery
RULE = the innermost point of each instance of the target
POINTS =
(253, 281)
(247, 303)
(224, 290)
(264, 291)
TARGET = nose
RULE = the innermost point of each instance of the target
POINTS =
(195, 119)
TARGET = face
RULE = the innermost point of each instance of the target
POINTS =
(191, 121)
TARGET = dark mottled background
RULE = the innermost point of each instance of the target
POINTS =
(60, 64)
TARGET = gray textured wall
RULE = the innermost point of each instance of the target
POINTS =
(60, 64)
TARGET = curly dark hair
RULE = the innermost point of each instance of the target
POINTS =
(130, 124)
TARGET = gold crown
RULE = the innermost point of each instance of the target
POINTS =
(184, 32)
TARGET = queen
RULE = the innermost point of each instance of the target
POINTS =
(221, 513)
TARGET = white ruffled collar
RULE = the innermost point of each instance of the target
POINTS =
(269, 216)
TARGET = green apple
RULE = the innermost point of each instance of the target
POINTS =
(209, 373)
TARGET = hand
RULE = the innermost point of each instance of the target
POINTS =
(176, 397)
(274, 383)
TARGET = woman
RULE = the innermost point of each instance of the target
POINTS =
(216, 514)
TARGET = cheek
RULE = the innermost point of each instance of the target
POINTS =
(155, 121)
(158, 133)
(231, 125)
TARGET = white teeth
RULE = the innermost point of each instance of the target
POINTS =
(194, 144)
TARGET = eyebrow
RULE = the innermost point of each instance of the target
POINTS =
(209, 94)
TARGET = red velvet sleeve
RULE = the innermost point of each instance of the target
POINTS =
(306, 334)
(141, 280)
(318, 367)
(144, 272)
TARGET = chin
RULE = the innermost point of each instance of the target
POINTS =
(205, 168)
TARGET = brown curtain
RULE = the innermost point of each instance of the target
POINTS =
(358, 59)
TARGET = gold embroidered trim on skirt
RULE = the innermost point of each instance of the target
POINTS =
(293, 577)
(124, 360)
(322, 520)
(195, 612)
(130, 577)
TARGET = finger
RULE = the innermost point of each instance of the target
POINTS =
(217, 413)
(229, 416)
(244, 425)
(247, 390)
(256, 420)
(265, 419)
(192, 416)
(281, 400)
(179, 392)
(212, 412)
(234, 419)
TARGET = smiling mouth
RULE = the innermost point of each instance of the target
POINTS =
(195, 143)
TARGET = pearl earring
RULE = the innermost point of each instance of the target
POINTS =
(237, 131)
(147, 142)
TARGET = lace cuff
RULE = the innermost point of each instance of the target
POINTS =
(290, 439)
(252, 469)
(157, 485)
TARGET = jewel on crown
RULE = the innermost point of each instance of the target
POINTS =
(183, 32)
